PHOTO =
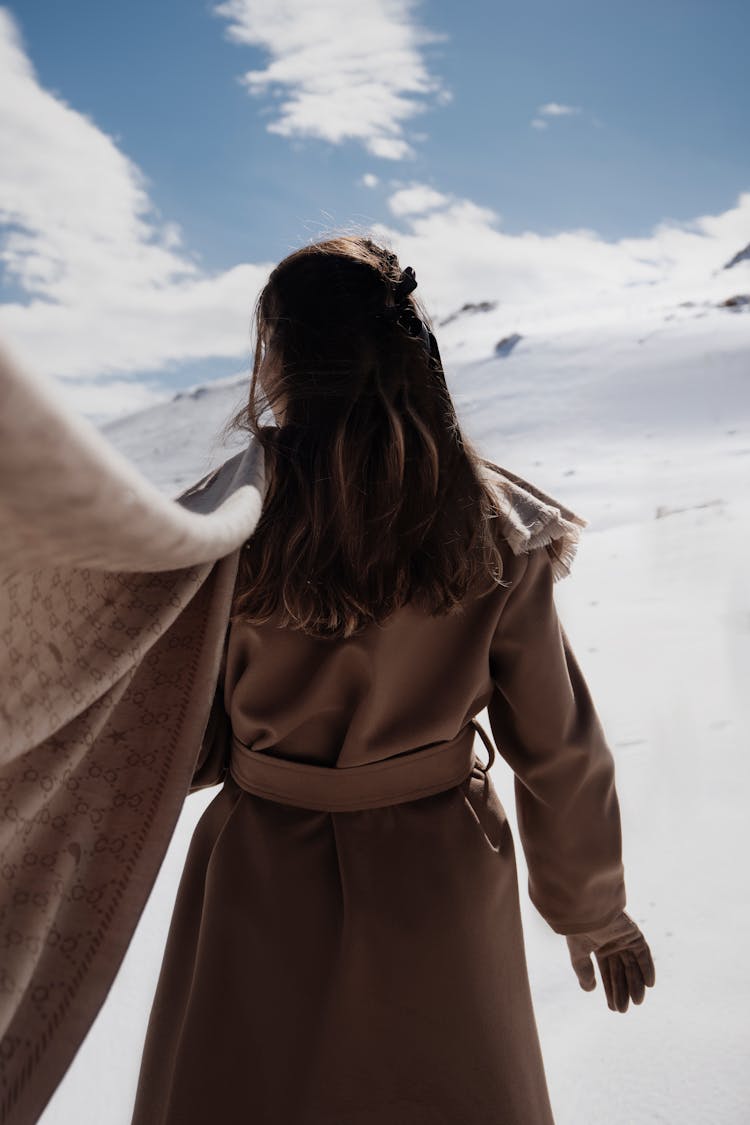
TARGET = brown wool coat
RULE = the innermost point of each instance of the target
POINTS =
(346, 946)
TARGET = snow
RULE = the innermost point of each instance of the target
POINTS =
(641, 423)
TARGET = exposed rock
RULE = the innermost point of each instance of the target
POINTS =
(507, 344)
(198, 392)
(738, 302)
(743, 256)
(469, 307)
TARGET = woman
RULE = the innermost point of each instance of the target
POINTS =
(346, 946)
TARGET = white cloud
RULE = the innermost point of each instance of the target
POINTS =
(552, 110)
(112, 291)
(110, 287)
(104, 399)
(555, 109)
(460, 253)
(416, 200)
(343, 72)
(369, 180)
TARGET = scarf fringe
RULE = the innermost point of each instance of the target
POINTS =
(532, 518)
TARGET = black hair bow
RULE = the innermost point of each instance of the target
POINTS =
(403, 313)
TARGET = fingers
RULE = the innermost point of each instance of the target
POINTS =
(620, 991)
(580, 959)
(626, 970)
(636, 983)
(606, 973)
(642, 954)
(585, 972)
(623, 978)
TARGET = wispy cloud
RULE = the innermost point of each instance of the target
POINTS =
(555, 109)
(344, 72)
(109, 287)
(369, 180)
(552, 110)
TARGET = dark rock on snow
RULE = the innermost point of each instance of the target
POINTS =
(742, 256)
(507, 344)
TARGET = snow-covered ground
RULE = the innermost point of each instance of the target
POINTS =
(641, 423)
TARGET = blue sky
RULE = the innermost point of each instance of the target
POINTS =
(544, 118)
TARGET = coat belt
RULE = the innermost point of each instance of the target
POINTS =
(392, 781)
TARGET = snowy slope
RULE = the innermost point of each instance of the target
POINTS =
(641, 423)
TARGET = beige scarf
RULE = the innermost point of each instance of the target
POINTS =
(114, 611)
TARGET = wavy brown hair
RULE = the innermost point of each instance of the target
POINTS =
(374, 497)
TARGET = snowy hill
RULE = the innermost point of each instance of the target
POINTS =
(626, 392)
(175, 442)
(639, 421)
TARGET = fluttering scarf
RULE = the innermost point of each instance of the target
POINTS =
(114, 615)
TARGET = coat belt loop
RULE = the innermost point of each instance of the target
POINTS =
(488, 743)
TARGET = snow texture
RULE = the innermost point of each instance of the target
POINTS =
(642, 425)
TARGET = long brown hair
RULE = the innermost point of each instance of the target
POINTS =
(374, 497)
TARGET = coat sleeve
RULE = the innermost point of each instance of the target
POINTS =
(546, 727)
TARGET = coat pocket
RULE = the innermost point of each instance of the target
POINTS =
(486, 809)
